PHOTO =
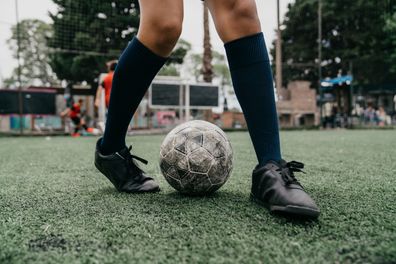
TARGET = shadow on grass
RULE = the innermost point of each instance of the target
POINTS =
(233, 203)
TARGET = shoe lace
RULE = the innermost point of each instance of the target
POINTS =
(133, 168)
(288, 169)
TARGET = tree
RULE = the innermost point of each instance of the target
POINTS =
(220, 68)
(172, 67)
(353, 33)
(35, 68)
(89, 33)
(391, 30)
(207, 68)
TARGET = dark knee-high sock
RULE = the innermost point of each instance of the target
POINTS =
(253, 84)
(135, 71)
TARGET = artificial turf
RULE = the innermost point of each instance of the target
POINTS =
(56, 208)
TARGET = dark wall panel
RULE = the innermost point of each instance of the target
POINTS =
(39, 103)
(201, 95)
(8, 102)
(165, 94)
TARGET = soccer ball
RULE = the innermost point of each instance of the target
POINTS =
(196, 158)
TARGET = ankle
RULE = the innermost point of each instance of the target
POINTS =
(108, 149)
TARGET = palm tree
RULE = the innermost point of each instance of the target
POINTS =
(207, 69)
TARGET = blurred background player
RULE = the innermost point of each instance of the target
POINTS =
(106, 85)
(102, 99)
(273, 182)
(75, 114)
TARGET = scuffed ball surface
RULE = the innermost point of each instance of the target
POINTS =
(196, 158)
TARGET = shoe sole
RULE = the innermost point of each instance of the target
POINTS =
(289, 209)
(148, 191)
(128, 191)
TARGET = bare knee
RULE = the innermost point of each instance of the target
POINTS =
(168, 31)
(160, 35)
(235, 19)
(246, 12)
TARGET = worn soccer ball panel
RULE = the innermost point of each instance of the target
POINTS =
(220, 166)
(196, 158)
(195, 184)
(175, 182)
(167, 145)
(214, 144)
(200, 161)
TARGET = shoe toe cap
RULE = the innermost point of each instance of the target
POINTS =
(139, 187)
(302, 199)
(149, 186)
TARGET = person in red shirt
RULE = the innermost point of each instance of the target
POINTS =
(106, 84)
(74, 113)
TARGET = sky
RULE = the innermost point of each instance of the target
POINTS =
(192, 27)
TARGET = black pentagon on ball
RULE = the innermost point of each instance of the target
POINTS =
(200, 161)
(174, 182)
(195, 184)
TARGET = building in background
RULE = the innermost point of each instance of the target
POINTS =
(297, 106)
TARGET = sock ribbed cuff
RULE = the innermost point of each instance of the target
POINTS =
(246, 51)
(146, 51)
(143, 55)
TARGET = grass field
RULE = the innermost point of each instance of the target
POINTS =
(56, 208)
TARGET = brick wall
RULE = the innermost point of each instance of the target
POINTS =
(297, 105)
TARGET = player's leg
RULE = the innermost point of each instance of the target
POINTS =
(159, 31)
(239, 27)
(76, 122)
(83, 123)
(160, 27)
(273, 183)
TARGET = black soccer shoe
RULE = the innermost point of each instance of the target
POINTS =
(275, 186)
(120, 168)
